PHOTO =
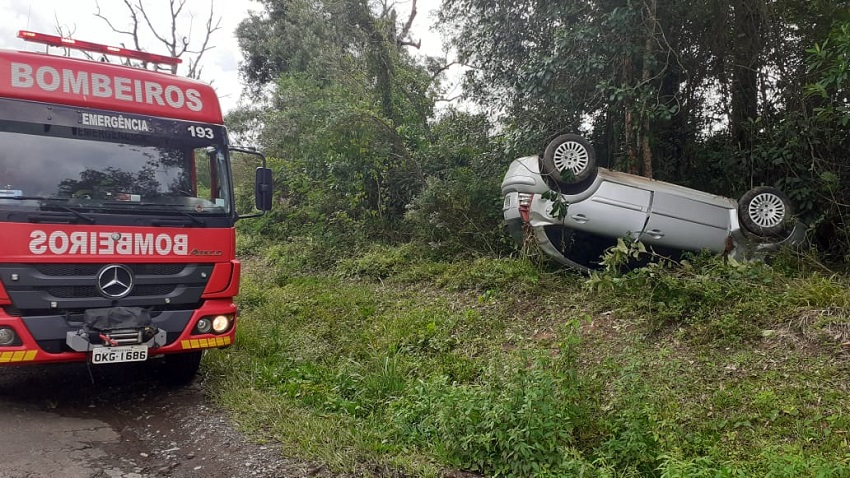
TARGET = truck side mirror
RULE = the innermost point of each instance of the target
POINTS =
(263, 189)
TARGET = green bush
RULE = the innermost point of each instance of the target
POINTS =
(716, 301)
(459, 214)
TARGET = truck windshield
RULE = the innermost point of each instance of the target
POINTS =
(80, 169)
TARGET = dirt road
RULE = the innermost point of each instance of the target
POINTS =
(54, 422)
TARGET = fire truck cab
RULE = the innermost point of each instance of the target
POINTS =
(117, 204)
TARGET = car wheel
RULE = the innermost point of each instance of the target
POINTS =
(569, 159)
(764, 211)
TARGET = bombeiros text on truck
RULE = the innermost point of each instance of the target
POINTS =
(118, 204)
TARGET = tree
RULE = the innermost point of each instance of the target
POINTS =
(562, 66)
(178, 44)
(648, 80)
(713, 94)
(343, 99)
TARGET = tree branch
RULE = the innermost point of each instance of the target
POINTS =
(175, 44)
(442, 69)
(403, 38)
(449, 99)
(193, 65)
(116, 30)
(405, 31)
(134, 33)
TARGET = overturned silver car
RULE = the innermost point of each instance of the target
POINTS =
(575, 210)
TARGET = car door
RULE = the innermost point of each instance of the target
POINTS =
(613, 210)
(689, 223)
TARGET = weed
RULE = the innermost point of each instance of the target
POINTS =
(519, 421)
(498, 366)
(485, 274)
(379, 262)
(719, 302)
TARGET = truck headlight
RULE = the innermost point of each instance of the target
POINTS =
(204, 326)
(7, 336)
(221, 323)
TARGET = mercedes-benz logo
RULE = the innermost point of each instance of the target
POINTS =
(115, 281)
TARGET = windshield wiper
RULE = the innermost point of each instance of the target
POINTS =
(176, 209)
(80, 215)
(33, 198)
(50, 203)
(140, 207)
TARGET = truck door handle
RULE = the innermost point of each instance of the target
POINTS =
(655, 233)
(579, 218)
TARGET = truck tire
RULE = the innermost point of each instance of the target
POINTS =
(179, 369)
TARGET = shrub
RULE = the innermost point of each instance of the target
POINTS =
(518, 420)
(718, 301)
(459, 214)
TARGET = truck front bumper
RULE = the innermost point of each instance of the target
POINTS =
(45, 339)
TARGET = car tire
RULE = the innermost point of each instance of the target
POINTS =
(569, 159)
(179, 369)
(765, 211)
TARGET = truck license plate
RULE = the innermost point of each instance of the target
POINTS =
(129, 353)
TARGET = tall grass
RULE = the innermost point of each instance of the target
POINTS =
(395, 363)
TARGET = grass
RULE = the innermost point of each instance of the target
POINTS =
(395, 365)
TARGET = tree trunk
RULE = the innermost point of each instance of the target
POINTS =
(747, 38)
(647, 151)
(628, 120)
(646, 75)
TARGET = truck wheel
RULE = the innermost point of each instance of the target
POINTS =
(180, 369)
(764, 211)
(569, 159)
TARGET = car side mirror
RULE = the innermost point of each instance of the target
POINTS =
(263, 189)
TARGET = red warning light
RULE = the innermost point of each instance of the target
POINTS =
(54, 40)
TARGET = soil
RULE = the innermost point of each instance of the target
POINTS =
(72, 421)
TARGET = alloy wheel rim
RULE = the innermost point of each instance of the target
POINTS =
(571, 156)
(767, 210)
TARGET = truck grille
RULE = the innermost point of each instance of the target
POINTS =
(71, 288)
(67, 270)
(91, 291)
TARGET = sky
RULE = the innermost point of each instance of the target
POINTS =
(220, 64)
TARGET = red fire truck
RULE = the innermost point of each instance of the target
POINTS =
(117, 209)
